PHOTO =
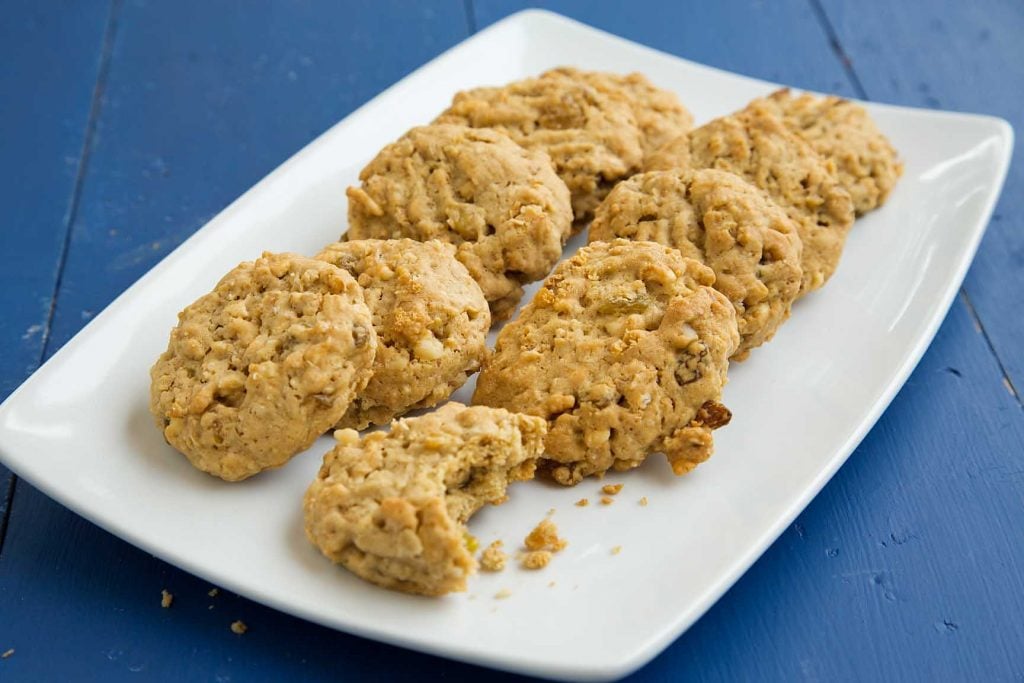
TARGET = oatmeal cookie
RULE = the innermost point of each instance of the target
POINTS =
(392, 507)
(624, 351)
(841, 131)
(659, 113)
(757, 146)
(592, 138)
(261, 366)
(502, 206)
(431, 321)
(725, 223)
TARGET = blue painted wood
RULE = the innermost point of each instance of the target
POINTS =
(978, 68)
(43, 116)
(904, 568)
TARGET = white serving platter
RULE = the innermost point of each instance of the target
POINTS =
(79, 430)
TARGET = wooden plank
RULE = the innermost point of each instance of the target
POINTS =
(44, 116)
(978, 68)
(776, 41)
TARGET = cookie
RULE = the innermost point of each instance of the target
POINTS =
(431, 321)
(392, 507)
(659, 113)
(502, 206)
(841, 131)
(624, 352)
(261, 366)
(757, 146)
(592, 138)
(724, 222)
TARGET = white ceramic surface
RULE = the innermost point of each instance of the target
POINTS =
(78, 428)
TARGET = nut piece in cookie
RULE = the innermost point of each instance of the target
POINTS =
(624, 351)
(392, 507)
(724, 222)
(502, 206)
(431, 321)
(659, 113)
(261, 366)
(843, 133)
(755, 145)
(592, 138)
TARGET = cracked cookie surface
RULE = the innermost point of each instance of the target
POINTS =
(756, 145)
(866, 164)
(659, 114)
(261, 366)
(431, 321)
(392, 507)
(624, 351)
(592, 139)
(502, 206)
(725, 223)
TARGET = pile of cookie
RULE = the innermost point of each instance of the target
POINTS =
(700, 240)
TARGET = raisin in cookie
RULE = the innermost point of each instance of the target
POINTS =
(592, 138)
(502, 206)
(624, 351)
(261, 366)
(659, 113)
(725, 223)
(431, 321)
(866, 164)
(757, 146)
(392, 507)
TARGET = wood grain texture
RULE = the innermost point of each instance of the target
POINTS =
(905, 568)
(44, 116)
(966, 57)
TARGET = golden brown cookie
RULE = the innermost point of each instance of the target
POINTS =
(624, 351)
(757, 146)
(261, 366)
(431, 321)
(724, 222)
(592, 138)
(502, 206)
(659, 113)
(842, 132)
(392, 507)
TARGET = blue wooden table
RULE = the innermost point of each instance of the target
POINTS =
(125, 125)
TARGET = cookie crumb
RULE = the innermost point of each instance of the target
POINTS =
(582, 503)
(209, 607)
(472, 545)
(213, 592)
(503, 594)
(551, 585)
(239, 627)
(7, 653)
(493, 558)
(545, 537)
(166, 599)
(616, 550)
(606, 500)
(611, 489)
(551, 512)
(536, 559)
(643, 502)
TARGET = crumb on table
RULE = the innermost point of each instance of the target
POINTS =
(493, 558)
(536, 559)
(607, 500)
(7, 653)
(551, 584)
(213, 592)
(166, 599)
(582, 502)
(502, 594)
(616, 550)
(239, 627)
(643, 501)
(545, 537)
(611, 489)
